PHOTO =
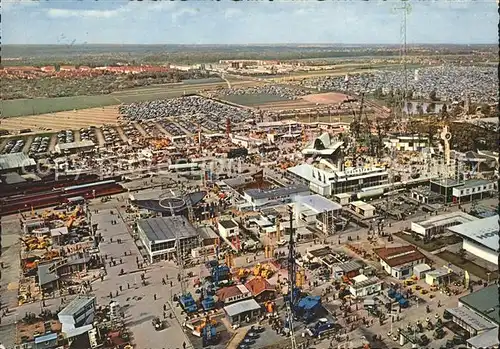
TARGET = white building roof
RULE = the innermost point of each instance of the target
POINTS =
(487, 339)
(305, 171)
(324, 178)
(15, 160)
(472, 319)
(359, 278)
(483, 231)
(318, 203)
(447, 218)
(241, 307)
(363, 205)
(421, 268)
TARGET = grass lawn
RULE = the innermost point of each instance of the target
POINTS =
(471, 267)
(23, 107)
(433, 245)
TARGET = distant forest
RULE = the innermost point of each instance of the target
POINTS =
(191, 54)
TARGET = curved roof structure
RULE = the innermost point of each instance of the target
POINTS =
(322, 142)
(154, 205)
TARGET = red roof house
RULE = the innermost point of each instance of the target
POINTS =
(261, 289)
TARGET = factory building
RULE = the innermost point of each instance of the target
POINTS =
(329, 180)
(159, 235)
(480, 238)
(261, 198)
(436, 225)
(241, 312)
(399, 261)
(451, 190)
(362, 209)
(363, 286)
(477, 313)
(16, 162)
(228, 228)
(480, 162)
(323, 214)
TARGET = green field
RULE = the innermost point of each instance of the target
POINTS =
(23, 107)
(253, 99)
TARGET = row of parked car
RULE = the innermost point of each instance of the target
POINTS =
(88, 134)
(13, 146)
(66, 136)
(39, 145)
(110, 135)
(172, 128)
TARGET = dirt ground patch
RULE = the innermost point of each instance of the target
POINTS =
(471, 267)
(432, 245)
(65, 120)
(326, 98)
(287, 105)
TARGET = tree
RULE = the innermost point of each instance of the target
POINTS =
(433, 95)
(485, 109)
(391, 93)
(432, 107)
(420, 109)
(409, 94)
(455, 111)
(444, 113)
(409, 107)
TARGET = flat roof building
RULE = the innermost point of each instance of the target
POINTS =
(159, 236)
(480, 238)
(330, 180)
(247, 310)
(319, 211)
(261, 198)
(78, 314)
(363, 209)
(479, 314)
(16, 162)
(363, 286)
(455, 191)
(73, 147)
(438, 224)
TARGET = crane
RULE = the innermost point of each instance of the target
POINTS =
(356, 128)
(186, 299)
(180, 260)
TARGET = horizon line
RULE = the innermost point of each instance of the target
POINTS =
(254, 44)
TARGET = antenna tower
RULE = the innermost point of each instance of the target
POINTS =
(402, 99)
(190, 209)
(178, 252)
(292, 274)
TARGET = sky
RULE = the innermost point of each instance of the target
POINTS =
(247, 22)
